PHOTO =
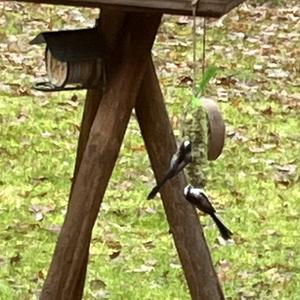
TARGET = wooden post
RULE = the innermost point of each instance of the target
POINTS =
(90, 109)
(99, 156)
(184, 223)
(111, 22)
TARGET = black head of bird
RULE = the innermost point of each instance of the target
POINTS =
(182, 157)
(199, 198)
(185, 148)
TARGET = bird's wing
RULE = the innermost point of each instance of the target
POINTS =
(181, 166)
(176, 165)
(207, 204)
(201, 201)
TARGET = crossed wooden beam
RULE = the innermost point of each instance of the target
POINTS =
(131, 83)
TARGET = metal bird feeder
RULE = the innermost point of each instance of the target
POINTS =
(74, 59)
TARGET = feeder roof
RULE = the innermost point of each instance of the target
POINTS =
(208, 8)
(72, 45)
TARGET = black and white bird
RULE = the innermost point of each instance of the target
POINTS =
(198, 198)
(179, 160)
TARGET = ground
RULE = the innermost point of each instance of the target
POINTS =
(254, 184)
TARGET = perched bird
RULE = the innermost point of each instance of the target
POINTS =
(198, 197)
(179, 160)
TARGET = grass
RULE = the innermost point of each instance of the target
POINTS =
(254, 184)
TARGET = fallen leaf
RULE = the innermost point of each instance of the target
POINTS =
(144, 269)
(114, 254)
(175, 266)
(185, 80)
(267, 111)
(40, 275)
(15, 259)
(113, 244)
(97, 284)
(276, 73)
(261, 149)
(54, 228)
(2, 262)
(289, 169)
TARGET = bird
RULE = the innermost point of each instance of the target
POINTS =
(199, 198)
(179, 160)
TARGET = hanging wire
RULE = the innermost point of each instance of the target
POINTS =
(194, 9)
(203, 46)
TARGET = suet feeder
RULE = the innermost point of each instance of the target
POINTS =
(216, 129)
(73, 58)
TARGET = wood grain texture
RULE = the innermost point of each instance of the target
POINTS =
(209, 8)
(99, 157)
(90, 109)
(183, 220)
(110, 24)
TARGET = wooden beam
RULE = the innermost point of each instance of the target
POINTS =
(207, 8)
(90, 109)
(183, 221)
(99, 157)
(91, 105)
(110, 24)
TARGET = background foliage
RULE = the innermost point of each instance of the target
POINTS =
(254, 184)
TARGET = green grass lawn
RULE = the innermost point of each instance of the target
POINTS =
(254, 184)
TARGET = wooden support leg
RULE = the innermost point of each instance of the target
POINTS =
(110, 24)
(99, 157)
(184, 224)
(90, 109)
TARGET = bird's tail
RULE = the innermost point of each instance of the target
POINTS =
(156, 189)
(168, 176)
(153, 192)
(225, 232)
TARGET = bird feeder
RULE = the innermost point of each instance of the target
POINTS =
(205, 8)
(73, 58)
(216, 129)
(132, 83)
